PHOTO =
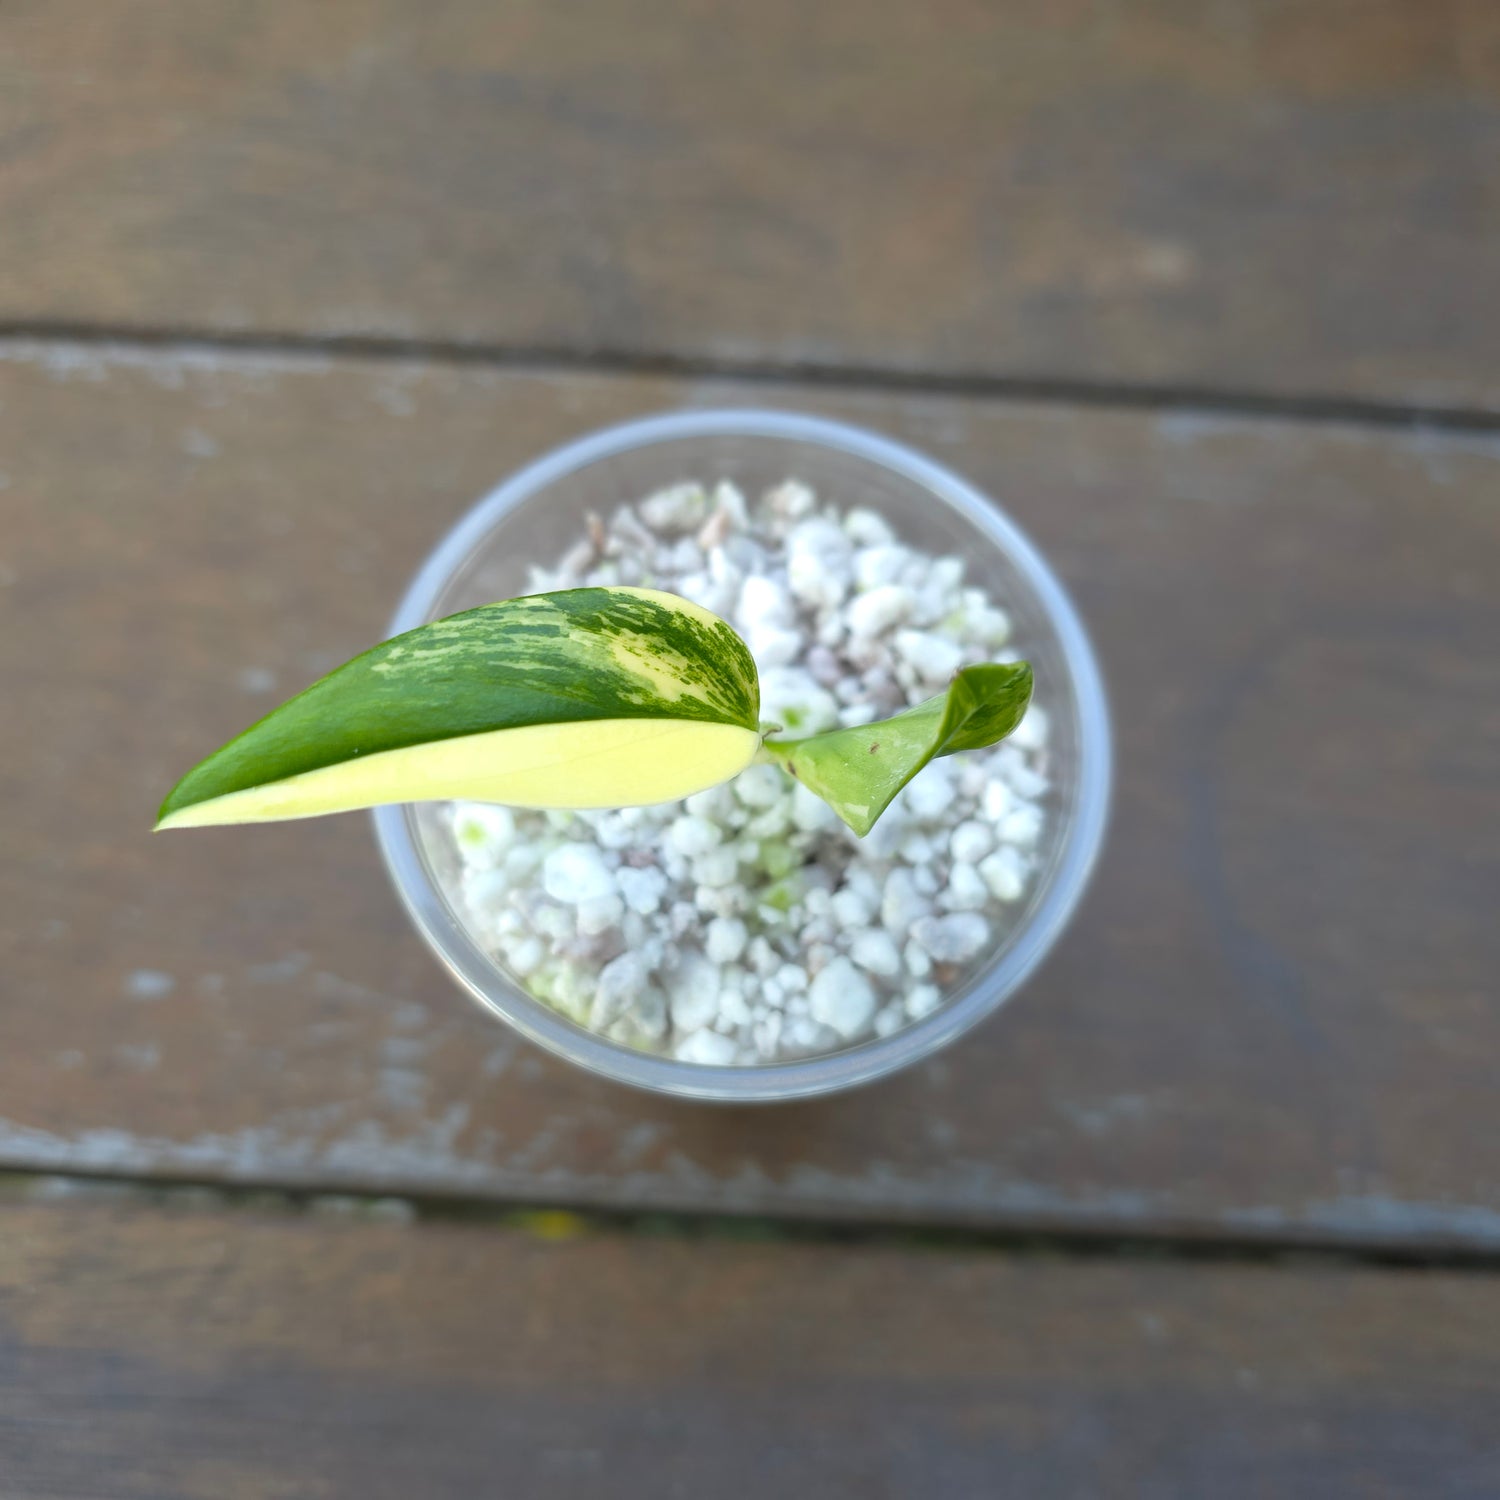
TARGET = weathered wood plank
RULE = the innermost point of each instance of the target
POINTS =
(1282, 196)
(1276, 1013)
(172, 1356)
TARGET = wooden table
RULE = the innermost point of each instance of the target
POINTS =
(1209, 296)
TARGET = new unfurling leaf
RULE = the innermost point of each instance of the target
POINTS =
(859, 771)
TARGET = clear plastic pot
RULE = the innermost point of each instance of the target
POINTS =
(535, 515)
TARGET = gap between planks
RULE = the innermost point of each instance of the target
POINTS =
(1040, 389)
(561, 1221)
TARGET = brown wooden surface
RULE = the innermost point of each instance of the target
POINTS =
(205, 1356)
(1276, 1013)
(1281, 196)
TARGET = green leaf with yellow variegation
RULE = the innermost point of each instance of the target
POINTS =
(859, 771)
(588, 698)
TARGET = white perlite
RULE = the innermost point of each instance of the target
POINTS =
(747, 924)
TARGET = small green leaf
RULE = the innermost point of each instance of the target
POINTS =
(602, 697)
(859, 771)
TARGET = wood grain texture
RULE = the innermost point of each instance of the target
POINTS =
(1276, 1013)
(1280, 196)
(154, 1356)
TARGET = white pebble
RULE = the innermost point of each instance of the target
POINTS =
(763, 603)
(873, 613)
(801, 1033)
(917, 960)
(822, 540)
(875, 950)
(874, 567)
(701, 589)
(772, 823)
(792, 978)
(613, 832)
(525, 956)
(817, 581)
(947, 573)
(902, 904)
(713, 804)
(767, 1034)
(599, 913)
(830, 632)
(732, 1007)
(885, 837)
(693, 992)
(621, 981)
(725, 940)
(929, 794)
(1004, 873)
(642, 889)
(691, 836)
(716, 868)
(819, 930)
(577, 872)
(934, 658)
(889, 1021)
(916, 849)
(521, 861)
(997, 801)
(760, 786)
(483, 832)
(989, 626)
(818, 956)
(720, 900)
(790, 697)
(554, 923)
(773, 646)
(952, 939)
(842, 998)
(967, 890)
(857, 715)
(970, 842)
(791, 499)
(486, 890)
(922, 1000)
(1022, 826)
(851, 909)
(972, 776)
(763, 957)
(810, 812)
(681, 507)
(866, 528)
(729, 498)
(819, 538)
(1025, 782)
(706, 1047)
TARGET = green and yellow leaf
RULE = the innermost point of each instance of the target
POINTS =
(859, 771)
(588, 698)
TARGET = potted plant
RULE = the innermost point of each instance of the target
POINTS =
(688, 808)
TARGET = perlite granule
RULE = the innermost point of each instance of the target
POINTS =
(747, 924)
